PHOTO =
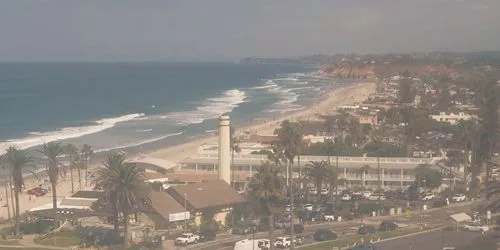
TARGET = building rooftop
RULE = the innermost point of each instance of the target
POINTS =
(163, 203)
(216, 193)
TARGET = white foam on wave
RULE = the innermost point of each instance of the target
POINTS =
(144, 130)
(139, 143)
(38, 138)
(210, 109)
(287, 79)
(268, 84)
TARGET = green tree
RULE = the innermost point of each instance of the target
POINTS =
(428, 177)
(51, 151)
(267, 187)
(235, 148)
(290, 143)
(72, 152)
(17, 160)
(86, 153)
(317, 172)
(124, 184)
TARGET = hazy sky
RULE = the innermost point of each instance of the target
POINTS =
(74, 30)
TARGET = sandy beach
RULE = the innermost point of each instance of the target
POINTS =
(345, 95)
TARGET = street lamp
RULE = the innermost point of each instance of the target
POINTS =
(185, 212)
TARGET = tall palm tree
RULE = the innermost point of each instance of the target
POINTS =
(317, 172)
(267, 187)
(87, 153)
(363, 171)
(51, 151)
(235, 148)
(7, 183)
(290, 142)
(72, 153)
(17, 160)
(124, 186)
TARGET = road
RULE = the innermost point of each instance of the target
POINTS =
(434, 240)
(431, 216)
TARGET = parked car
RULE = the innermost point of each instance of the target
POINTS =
(207, 235)
(376, 197)
(37, 191)
(308, 207)
(458, 197)
(297, 228)
(364, 247)
(286, 242)
(280, 224)
(428, 197)
(329, 217)
(366, 230)
(324, 191)
(346, 197)
(474, 227)
(186, 239)
(366, 194)
(324, 234)
(243, 229)
(387, 226)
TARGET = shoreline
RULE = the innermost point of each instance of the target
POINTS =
(330, 100)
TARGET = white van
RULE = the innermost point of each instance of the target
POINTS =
(252, 244)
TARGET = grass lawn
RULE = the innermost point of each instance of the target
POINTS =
(351, 239)
(60, 239)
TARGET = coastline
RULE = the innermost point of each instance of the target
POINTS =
(332, 99)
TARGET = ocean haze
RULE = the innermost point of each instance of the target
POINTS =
(128, 30)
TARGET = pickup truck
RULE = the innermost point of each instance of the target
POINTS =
(329, 217)
(186, 239)
(476, 228)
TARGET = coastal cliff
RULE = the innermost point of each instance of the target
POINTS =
(349, 71)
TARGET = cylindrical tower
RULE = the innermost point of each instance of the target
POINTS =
(224, 149)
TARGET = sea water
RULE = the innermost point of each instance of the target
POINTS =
(133, 105)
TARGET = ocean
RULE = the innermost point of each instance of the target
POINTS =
(136, 106)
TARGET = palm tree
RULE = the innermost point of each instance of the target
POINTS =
(363, 171)
(52, 151)
(332, 175)
(317, 172)
(87, 153)
(17, 160)
(124, 186)
(72, 153)
(290, 142)
(267, 187)
(7, 183)
(235, 148)
(343, 182)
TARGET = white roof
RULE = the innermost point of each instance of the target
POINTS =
(461, 217)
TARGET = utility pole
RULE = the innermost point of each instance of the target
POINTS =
(291, 206)
(185, 212)
(7, 198)
(337, 180)
(379, 185)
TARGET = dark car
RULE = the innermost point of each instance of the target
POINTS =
(207, 235)
(297, 228)
(364, 247)
(243, 229)
(366, 230)
(324, 234)
(387, 226)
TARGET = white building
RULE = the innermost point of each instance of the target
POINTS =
(452, 118)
